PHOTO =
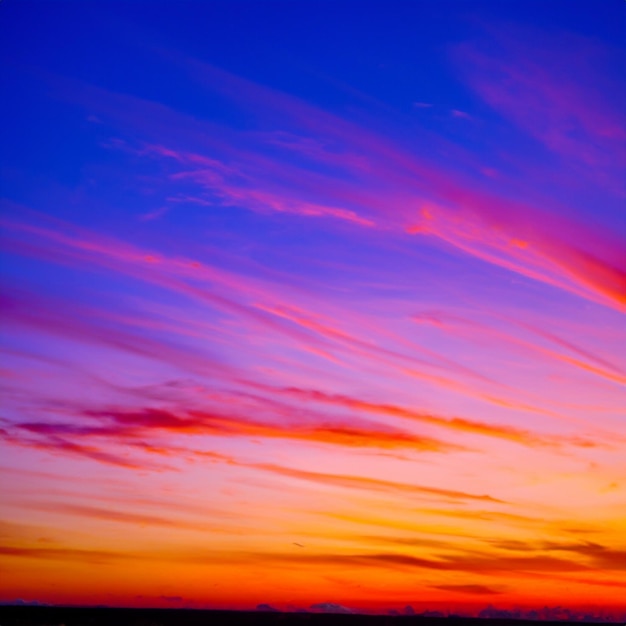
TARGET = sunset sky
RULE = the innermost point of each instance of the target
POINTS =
(313, 302)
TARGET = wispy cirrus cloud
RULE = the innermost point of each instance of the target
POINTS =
(453, 423)
(267, 329)
(469, 218)
(226, 293)
(467, 328)
(601, 556)
(375, 560)
(373, 484)
(553, 91)
(405, 190)
(476, 590)
(130, 425)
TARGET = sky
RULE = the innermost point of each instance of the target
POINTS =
(312, 303)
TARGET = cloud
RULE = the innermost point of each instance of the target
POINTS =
(222, 291)
(21, 602)
(475, 229)
(132, 428)
(56, 444)
(455, 423)
(66, 554)
(464, 561)
(460, 114)
(551, 89)
(374, 484)
(574, 257)
(329, 344)
(597, 555)
(288, 321)
(479, 590)
(91, 325)
(469, 562)
(458, 326)
(330, 607)
(123, 517)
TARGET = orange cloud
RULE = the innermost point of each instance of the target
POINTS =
(456, 423)
(477, 590)
(373, 484)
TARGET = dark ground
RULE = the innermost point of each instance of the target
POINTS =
(71, 616)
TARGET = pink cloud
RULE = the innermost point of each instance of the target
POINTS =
(552, 89)
(386, 187)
